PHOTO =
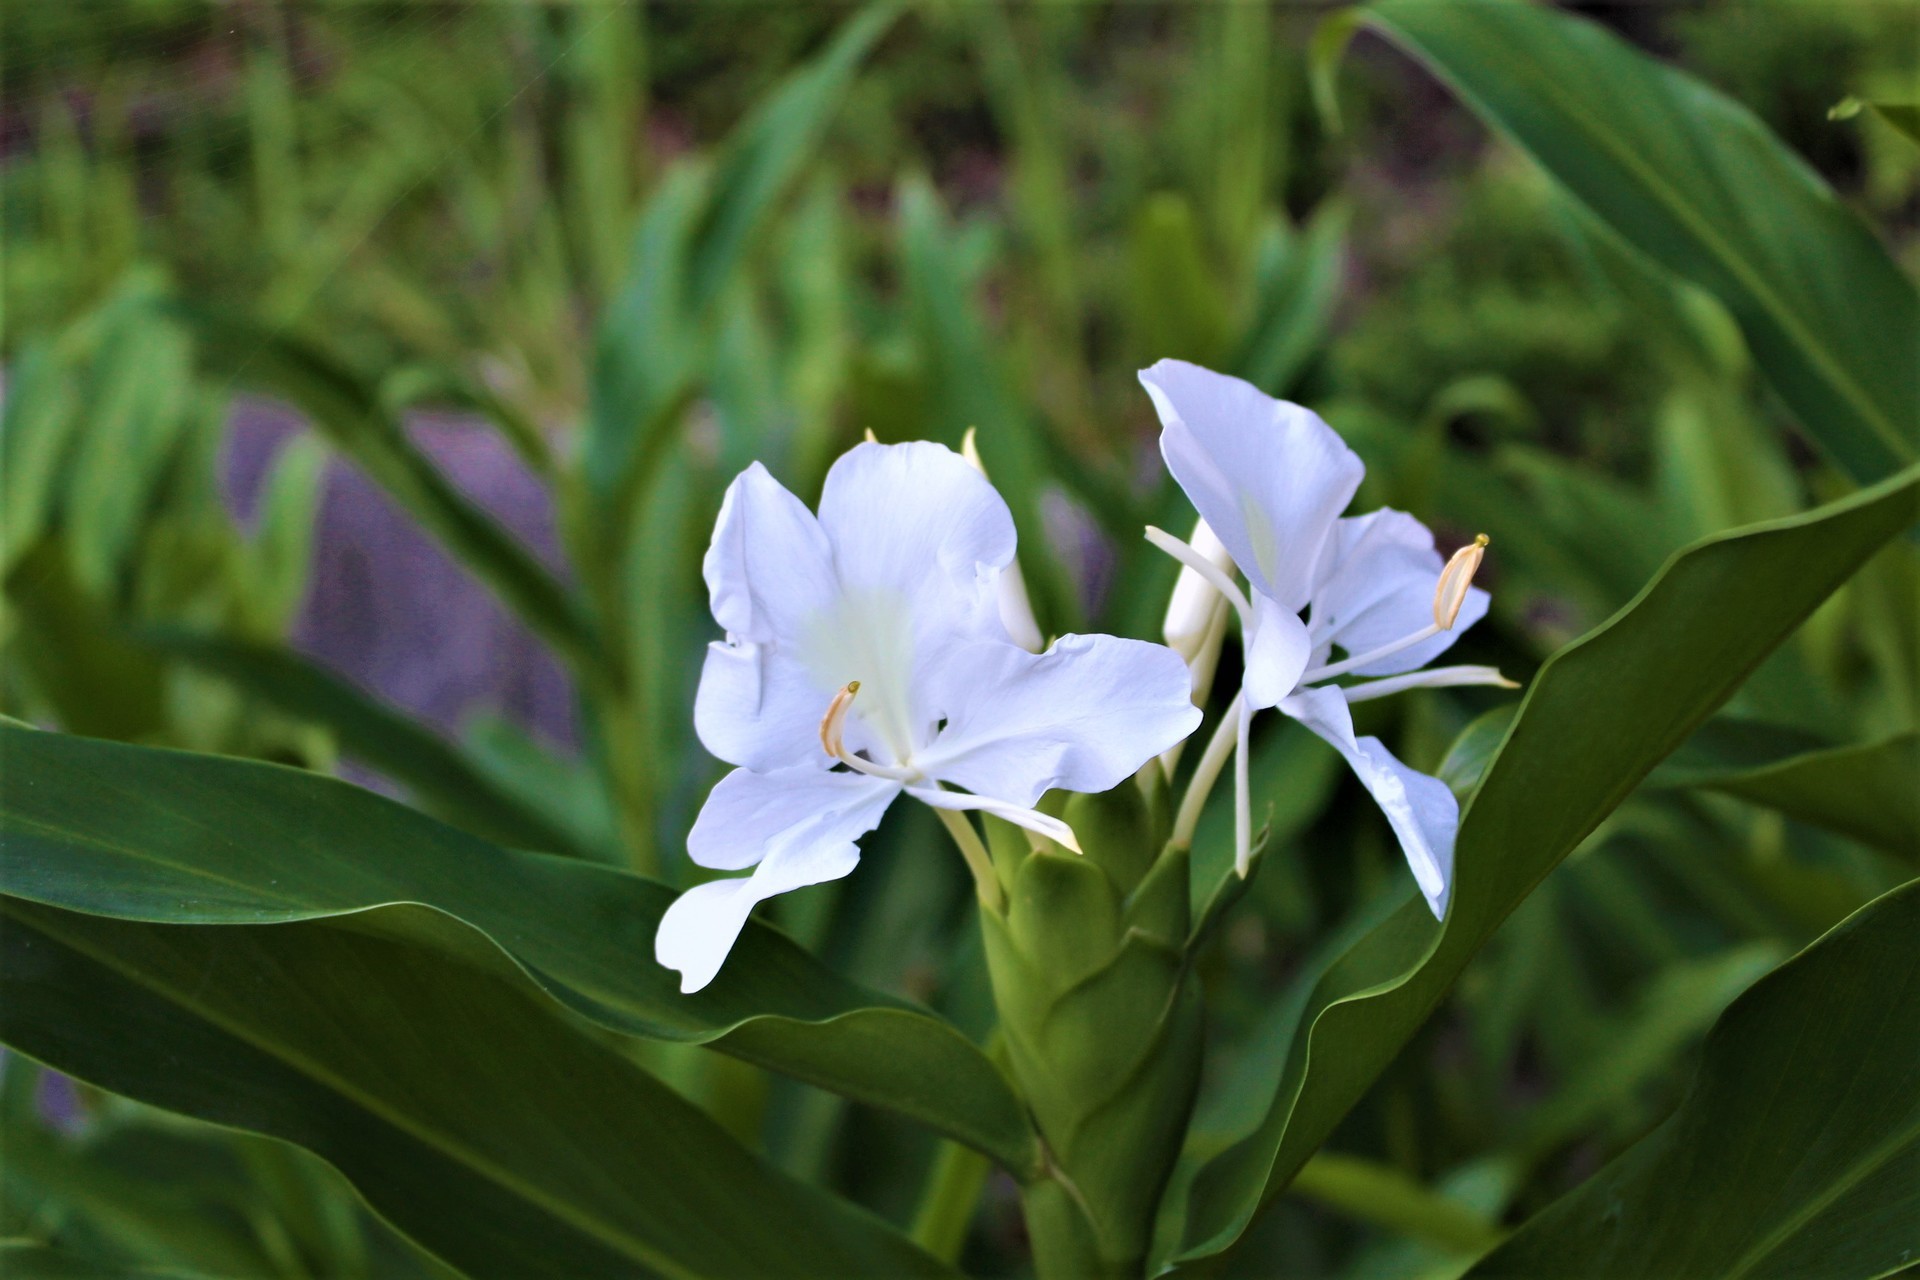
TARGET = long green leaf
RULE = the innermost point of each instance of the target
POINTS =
(1870, 792)
(456, 1099)
(437, 772)
(1598, 717)
(1797, 1153)
(172, 837)
(1697, 183)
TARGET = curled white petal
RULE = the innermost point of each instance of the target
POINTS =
(1269, 476)
(1422, 810)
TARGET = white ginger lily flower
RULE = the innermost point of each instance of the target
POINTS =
(1271, 479)
(866, 656)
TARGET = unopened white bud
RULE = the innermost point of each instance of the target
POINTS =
(1016, 610)
(1451, 592)
(1196, 624)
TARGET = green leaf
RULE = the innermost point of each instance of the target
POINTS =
(770, 149)
(1694, 181)
(1600, 714)
(1297, 282)
(695, 232)
(1797, 1152)
(461, 1104)
(172, 837)
(1867, 791)
(436, 772)
(357, 420)
(37, 425)
(1904, 117)
(280, 556)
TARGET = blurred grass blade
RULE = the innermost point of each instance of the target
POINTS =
(1600, 714)
(179, 838)
(355, 418)
(770, 149)
(1386, 1196)
(1693, 180)
(141, 398)
(1795, 1154)
(695, 232)
(1870, 792)
(1682, 1002)
(37, 424)
(1297, 281)
(436, 773)
(461, 1105)
(280, 555)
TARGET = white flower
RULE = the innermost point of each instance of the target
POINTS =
(866, 656)
(1271, 479)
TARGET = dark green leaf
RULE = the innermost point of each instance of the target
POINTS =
(381, 737)
(460, 1104)
(1797, 1153)
(1693, 180)
(1599, 715)
(1870, 792)
(173, 837)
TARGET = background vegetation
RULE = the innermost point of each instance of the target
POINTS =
(373, 372)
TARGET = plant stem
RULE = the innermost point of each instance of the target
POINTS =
(1205, 774)
(947, 1204)
(979, 861)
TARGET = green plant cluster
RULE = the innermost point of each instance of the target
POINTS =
(1635, 308)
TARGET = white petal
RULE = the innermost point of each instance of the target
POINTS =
(915, 521)
(749, 814)
(759, 708)
(1082, 716)
(919, 541)
(769, 566)
(1422, 810)
(1278, 654)
(1376, 584)
(1269, 476)
(701, 926)
(770, 578)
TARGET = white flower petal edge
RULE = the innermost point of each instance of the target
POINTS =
(1267, 476)
(798, 824)
(1421, 810)
(1082, 716)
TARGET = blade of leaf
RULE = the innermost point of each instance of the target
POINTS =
(454, 1098)
(1696, 182)
(1600, 714)
(440, 777)
(1870, 792)
(1798, 1150)
(356, 420)
(173, 837)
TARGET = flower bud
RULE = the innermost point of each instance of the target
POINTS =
(1195, 607)
(1016, 611)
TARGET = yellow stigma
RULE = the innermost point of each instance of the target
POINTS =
(1451, 592)
(833, 724)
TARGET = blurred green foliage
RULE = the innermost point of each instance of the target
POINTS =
(585, 226)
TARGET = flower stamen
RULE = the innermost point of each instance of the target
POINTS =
(833, 740)
(1451, 591)
(1448, 595)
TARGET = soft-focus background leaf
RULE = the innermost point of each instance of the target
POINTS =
(1805, 1088)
